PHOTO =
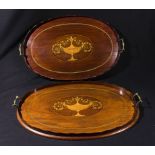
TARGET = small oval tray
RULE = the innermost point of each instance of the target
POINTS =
(71, 48)
(78, 111)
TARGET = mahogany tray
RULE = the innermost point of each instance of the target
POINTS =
(75, 48)
(78, 111)
(71, 48)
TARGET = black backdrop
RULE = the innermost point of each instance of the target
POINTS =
(135, 71)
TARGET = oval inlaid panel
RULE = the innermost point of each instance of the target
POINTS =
(81, 109)
(71, 48)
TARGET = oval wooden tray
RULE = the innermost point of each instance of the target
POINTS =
(78, 111)
(71, 48)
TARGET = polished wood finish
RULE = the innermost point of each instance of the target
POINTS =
(78, 111)
(75, 48)
(71, 48)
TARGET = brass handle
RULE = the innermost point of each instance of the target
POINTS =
(122, 45)
(137, 98)
(20, 50)
(15, 101)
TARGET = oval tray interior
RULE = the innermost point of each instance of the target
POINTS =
(78, 111)
(90, 46)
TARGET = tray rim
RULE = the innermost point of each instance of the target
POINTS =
(85, 136)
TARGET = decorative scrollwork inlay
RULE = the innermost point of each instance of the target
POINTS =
(72, 47)
(78, 104)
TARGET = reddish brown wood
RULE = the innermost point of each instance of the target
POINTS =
(75, 48)
(78, 111)
(71, 48)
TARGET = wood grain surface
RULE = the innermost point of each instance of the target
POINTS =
(71, 48)
(78, 111)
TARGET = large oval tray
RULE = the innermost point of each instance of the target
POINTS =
(78, 111)
(71, 48)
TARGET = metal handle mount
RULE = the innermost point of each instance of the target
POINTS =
(137, 99)
(20, 49)
(15, 101)
(122, 45)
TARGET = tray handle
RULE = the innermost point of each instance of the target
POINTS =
(20, 49)
(122, 45)
(17, 98)
(137, 99)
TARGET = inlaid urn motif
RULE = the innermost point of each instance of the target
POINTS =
(77, 105)
(72, 47)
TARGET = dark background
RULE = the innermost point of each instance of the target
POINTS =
(134, 71)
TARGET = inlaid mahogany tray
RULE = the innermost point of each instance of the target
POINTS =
(78, 110)
(71, 48)
(75, 48)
